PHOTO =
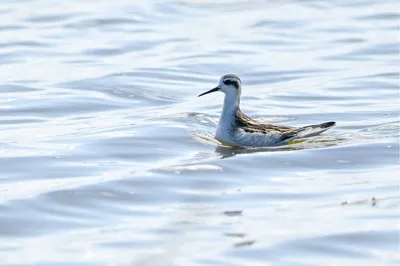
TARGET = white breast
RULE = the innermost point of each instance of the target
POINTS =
(225, 131)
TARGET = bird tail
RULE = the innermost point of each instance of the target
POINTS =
(314, 130)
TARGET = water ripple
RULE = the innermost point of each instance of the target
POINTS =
(108, 156)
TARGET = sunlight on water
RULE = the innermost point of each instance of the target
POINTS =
(108, 157)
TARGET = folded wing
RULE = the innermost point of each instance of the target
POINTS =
(307, 131)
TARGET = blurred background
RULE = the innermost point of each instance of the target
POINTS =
(107, 156)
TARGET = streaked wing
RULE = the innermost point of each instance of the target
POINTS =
(307, 131)
(251, 126)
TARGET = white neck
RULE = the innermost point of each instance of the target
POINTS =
(231, 104)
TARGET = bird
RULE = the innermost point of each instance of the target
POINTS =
(238, 130)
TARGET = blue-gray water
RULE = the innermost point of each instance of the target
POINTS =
(107, 155)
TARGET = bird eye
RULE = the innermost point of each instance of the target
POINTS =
(227, 82)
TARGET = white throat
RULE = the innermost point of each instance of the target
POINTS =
(231, 104)
(226, 120)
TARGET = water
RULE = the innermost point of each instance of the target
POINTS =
(107, 155)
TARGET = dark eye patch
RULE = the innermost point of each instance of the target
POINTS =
(231, 82)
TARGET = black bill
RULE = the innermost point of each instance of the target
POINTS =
(212, 90)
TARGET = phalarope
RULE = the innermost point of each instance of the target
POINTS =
(237, 129)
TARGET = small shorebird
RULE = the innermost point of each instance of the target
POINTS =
(237, 129)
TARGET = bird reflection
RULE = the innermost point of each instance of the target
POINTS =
(226, 152)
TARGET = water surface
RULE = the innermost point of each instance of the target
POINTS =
(107, 155)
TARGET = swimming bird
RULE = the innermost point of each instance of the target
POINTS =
(237, 129)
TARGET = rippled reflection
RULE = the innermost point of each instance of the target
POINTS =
(108, 157)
